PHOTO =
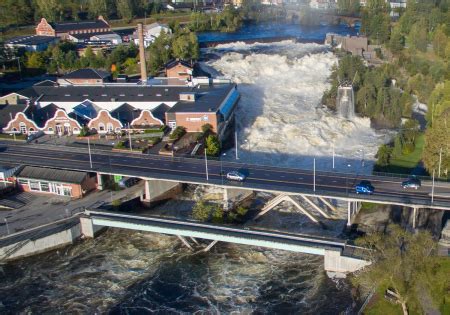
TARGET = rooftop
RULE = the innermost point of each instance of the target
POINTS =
(207, 100)
(30, 40)
(79, 25)
(87, 73)
(50, 174)
(8, 111)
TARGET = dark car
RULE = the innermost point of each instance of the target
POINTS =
(411, 183)
(128, 182)
(364, 187)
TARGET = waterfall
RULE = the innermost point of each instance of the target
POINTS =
(345, 102)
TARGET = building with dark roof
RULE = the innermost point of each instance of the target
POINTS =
(31, 42)
(86, 76)
(55, 181)
(63, 30)
(8, 112)
(179, 69)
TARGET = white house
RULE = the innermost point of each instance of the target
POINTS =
(151, 32)
(114, 38)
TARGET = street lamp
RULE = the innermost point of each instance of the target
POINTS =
(206, 165)
(89, 150)
(221, 167)
(236, 144)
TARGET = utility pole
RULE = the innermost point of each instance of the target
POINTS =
(7, 226)
(432, 190)
(236, 144)
(314, 183)
(440, 162)
(89, 150)
(206, 166)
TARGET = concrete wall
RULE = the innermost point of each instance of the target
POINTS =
(335, 262)
(156, 190)
(44, 244)
(88, 229)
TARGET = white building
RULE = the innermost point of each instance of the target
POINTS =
(151, 32)
(114, 38)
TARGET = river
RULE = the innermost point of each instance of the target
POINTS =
(129, 272)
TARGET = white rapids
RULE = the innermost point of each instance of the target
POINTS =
(280, 119)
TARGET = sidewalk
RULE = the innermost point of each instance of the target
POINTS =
(42, 209)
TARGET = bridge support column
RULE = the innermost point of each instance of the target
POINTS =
(334, 261)
(328, 204)
(185, 242)
(414, 217)
(279, 199)
(315, 207)
(156, 190)
(99, 181)
(352, 211)
(88, 229)
(211, 245)
(232, 196)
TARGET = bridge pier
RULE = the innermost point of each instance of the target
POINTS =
(185, 242)
(88, 229)
(99, 181)
(315, 207)
(232, 196)
(279, 199)
(352, 210)
(335, 261)
(156, 190)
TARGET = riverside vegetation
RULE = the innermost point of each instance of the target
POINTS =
(419, 67)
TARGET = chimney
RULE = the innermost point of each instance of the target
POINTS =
(142, 53)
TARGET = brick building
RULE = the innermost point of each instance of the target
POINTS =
(85, 76)
(179, 69)
(63, 30)
(105, 123)
(55, 181)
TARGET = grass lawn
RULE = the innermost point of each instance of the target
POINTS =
(404, 164)
(380, 306)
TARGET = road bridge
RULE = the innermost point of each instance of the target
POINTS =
(157, 170)
(338, 255)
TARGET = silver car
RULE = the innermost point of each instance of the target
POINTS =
(234, 175)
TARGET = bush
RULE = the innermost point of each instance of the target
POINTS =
(116, 203)
(120, 145)
(212, 145)
(408, 148)
(207, 128)
(201, 211)
(178, 133)
(242, 211)
(217, 216)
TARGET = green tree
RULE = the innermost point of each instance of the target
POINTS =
(241, 211)
(36, 60)
(384, 155)
(125, 9)
(396, 42)
(418, 36)
(217, 214)
(399, 259)
(201, 211)
(97, 8)
(437, 145)
(440, 41)
(50, 9)
(212, 145)
(207, 128)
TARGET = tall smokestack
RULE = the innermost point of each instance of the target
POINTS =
(142, 53)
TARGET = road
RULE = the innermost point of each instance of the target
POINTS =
(262, 178)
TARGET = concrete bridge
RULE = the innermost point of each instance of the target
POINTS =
(338, 256)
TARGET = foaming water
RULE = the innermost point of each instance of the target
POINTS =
(280, 117)
(126, 272)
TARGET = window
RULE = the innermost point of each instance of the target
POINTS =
(31, 130)
(75, 129)
(34, 185)
(23, 128)
(23, 181)
(50, 129)
(44, 186)
(101, 127)
(109, 127)
(118, 130)
(66, 191)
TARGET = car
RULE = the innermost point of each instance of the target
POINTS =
(364, 187)
(411, 183)
(128, 182)
(235, 175)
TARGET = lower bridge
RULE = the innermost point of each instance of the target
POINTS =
(338, 256)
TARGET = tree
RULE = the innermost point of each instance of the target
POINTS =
(396, 42)
(97, 8)
(384, 155)
(418, 36)
(36, 61)
(185, 46)
(212, 145)
(400, 260)
(207, 128)
(440, 41)
(201, 211)
(437, 145)
(50, 9)
(125, 9)
(217, 214)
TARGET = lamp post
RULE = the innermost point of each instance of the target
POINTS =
(440, 162)
(89, 150)
(314, 178)
(333, 156)
(236, 144)
(221, 167)
(7, 226)
(432, 190)
(206, 166)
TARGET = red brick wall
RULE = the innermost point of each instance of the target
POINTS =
(179, 71)
(104, 118)
(85, 81)
(193, 122)
(76, 190)
(45, 29)
(17, 121)
(145, 119)
(66, 124)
